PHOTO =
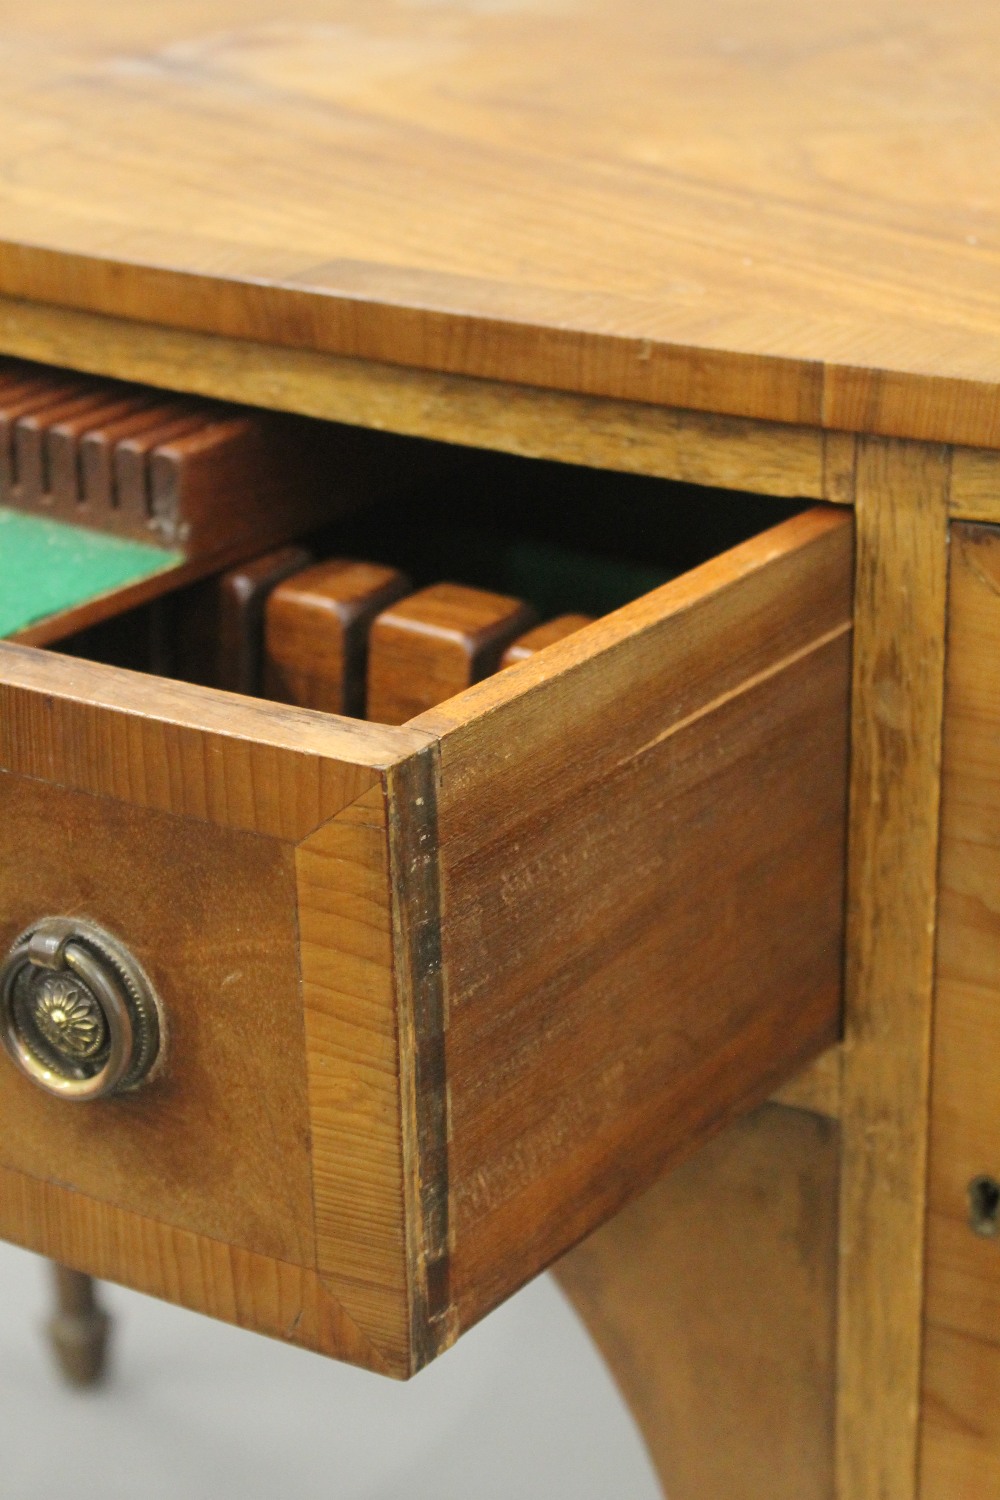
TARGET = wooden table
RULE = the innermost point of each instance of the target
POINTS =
(754, 247)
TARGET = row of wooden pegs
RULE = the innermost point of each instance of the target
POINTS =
(354, 638)
(83, 450)
(196, 476)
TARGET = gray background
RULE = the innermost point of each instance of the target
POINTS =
(521, 1408)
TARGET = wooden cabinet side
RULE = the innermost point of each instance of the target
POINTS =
(960, 1409)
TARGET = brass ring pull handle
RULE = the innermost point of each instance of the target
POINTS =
(77, 1014)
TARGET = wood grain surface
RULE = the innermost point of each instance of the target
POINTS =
(713, 1299)
(116, 733)
(540, 636)
(352, 1048)
(253, 1291)
(171, 814)
(960, 1453)
(435, 643)
(635, 947)
(671, 443)
(817, 1087)
(773, 212)
(897, 708)
(318, 622)
(219, 1143)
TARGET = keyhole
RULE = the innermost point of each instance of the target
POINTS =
(984, 1205)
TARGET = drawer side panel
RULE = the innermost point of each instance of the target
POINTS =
(642, 881)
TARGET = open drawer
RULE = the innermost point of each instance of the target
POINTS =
(436, 999)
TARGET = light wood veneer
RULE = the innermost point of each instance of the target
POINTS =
(773, 213)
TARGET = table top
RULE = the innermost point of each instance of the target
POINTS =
(757, 207)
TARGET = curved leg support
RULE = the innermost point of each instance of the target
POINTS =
(713, 1299)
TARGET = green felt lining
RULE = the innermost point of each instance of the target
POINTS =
(48, 566)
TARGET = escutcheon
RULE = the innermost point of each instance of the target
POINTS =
(77, 1014)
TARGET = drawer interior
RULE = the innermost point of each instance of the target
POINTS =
(112, 494)
(445, 986)
(122, 505)
(559, 539)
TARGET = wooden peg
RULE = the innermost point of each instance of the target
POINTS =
(219, 632)
(62, 458)
(132, 465)
(18, 398)
(541, 636)
(98, 448)
(317, 633)
(242, 474)
(435, 643)
(32, 488)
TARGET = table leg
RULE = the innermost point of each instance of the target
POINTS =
(79, 1328)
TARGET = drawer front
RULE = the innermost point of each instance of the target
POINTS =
(241, 853)
(219, 1144)
(438, 998)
